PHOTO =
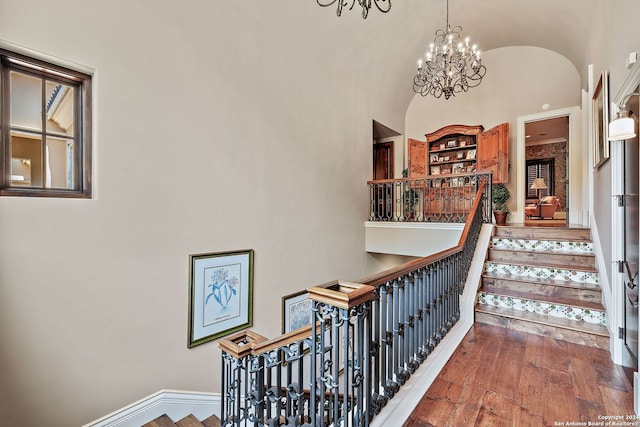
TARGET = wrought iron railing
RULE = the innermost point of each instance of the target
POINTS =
(440, 198)
(365, 341)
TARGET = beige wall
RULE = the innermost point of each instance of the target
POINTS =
(196, 150)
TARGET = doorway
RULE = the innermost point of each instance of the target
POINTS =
(387, 162)
(574, 180)
(545, 180)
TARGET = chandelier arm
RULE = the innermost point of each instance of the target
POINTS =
(383, 10)
(329, 3)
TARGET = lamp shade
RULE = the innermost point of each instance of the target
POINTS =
(621, 128)
(538, 184)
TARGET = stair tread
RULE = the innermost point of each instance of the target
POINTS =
(568, 335)
(161, 421)
(212, 421)
(548, 233)
(189, 421)
(543, 281)
(558, 322)
(556, 267)
(544, 251)
(559, 298)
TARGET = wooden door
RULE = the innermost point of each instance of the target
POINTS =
(493, 152)
(383, 160)
(418, 158)
(383, 169)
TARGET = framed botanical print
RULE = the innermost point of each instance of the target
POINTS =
(220, 295)
(600, 111)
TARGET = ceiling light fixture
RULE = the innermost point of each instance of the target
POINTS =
(451, 65)
(383, 6)
(623, 127)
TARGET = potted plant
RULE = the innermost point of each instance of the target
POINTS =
(409, 199)
(499, 196)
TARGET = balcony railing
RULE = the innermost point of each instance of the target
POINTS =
(444, 198)
(365, 341)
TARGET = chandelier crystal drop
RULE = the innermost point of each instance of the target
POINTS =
(383, 6)
(451, 65)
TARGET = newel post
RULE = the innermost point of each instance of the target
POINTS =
(237, 407)
(341, 374)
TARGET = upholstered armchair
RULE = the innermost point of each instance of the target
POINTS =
(545, 208)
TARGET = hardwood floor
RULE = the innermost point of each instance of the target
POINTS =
(501, 377)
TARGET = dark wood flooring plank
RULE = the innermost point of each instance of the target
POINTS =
(437, 405)
(585, 378)
(559, 399)
(497, 410)
(484, 363)
(589, 411)
(467, 409)
(616, 402)
(524, 418)
(531, 389)
(556, 355)
(534, 350)
(509, 363)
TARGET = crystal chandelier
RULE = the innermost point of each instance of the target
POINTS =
(451, 66)
(383, 5)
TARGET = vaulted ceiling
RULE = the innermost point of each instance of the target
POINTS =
(384, 48)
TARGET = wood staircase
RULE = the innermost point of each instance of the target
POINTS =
(543, 280)
(188, 421)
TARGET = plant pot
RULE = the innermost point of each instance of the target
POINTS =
(501, 217)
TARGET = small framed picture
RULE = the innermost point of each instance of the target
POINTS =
(441, 159)
(435, 170)
(471, 154)
(296, 311)
(442, 146)
(458, 168)
(459, 155)
(463, 143)
(446, 158)
(471, 168)
(452, 144)
(220, 295)
(434, 158)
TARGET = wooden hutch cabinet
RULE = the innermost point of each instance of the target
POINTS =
(461, 149)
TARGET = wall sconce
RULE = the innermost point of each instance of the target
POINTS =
(623, 127)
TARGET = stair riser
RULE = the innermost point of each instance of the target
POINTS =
(554, 246)
(550, 233)
(576, 337)
(524, 271)
(576, 314)
(504, 286)
(544, 259)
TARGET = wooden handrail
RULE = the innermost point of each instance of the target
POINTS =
(281, 341)
(390, 274)
(238, 345)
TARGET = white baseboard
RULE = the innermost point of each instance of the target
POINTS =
(176, 404)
